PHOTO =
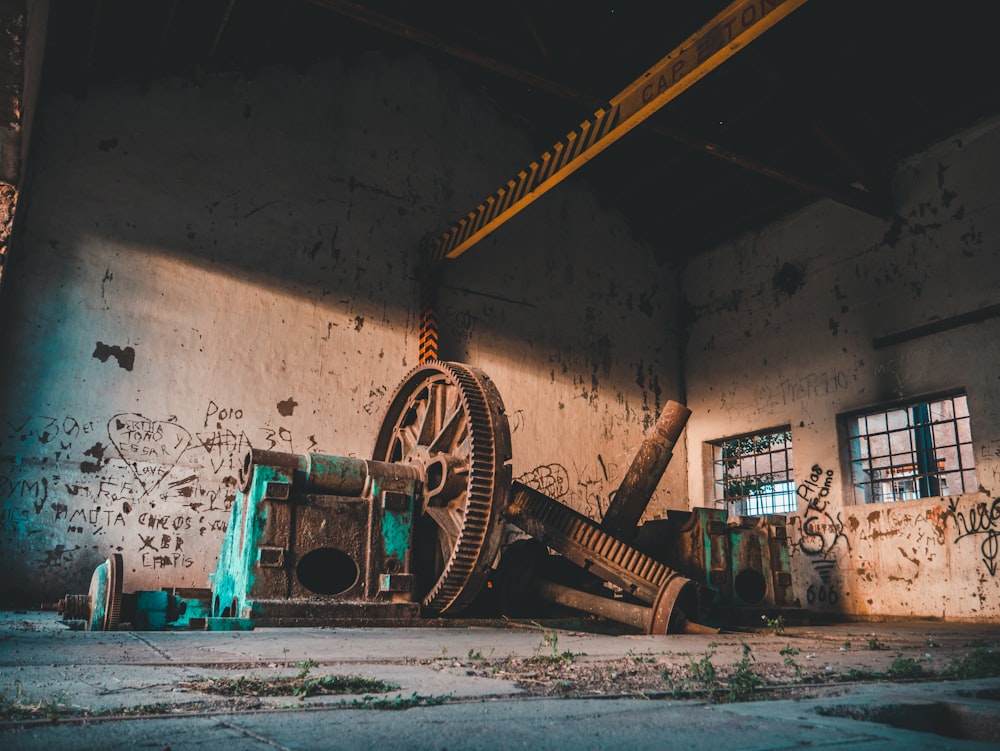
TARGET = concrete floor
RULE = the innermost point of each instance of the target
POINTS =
(487, 688)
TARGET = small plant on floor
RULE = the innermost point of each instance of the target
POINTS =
(743, 682)
(703, 673)
(875, 644)
(788, 653)
(775, 625)
(397, 702)
(699, 677)
(980, 663)
(300, 686)
(19, 708)
(640, 658)
(903, 668)
(550, 640)
(305, 666)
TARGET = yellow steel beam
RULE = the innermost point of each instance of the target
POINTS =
(718, 40)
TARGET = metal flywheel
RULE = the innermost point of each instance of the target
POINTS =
(449, 419)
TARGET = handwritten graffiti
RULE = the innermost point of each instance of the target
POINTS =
(821, 530)
(550, 479)
(813, 386)
(220, 414)
(45, 429)
(225, 449)
(278, 439)
(824, 594)
(151, 448)
(590, 492)
(163, 560)
(595, 490)
(35, 491)
(990, 450)
(982, 519)
(98, 519)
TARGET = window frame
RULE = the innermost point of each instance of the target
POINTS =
(920, 478)
(751, 504)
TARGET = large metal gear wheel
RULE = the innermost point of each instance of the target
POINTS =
(449, 418)
(104, 599)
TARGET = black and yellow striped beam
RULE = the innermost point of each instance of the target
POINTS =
(428, 318)
(718, 40)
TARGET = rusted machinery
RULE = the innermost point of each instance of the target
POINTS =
(416, 533)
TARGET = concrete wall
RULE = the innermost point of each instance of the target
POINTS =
(578, 331)
(784, 326)
(202, 269)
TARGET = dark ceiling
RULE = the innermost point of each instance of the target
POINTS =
(822, 105)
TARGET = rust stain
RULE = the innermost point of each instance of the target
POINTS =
(878, 534)
(938, 517)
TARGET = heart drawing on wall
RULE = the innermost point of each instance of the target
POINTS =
(151, 448)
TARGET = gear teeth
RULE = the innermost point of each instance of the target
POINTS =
(578, 538)
(487, 486)
(113, 611)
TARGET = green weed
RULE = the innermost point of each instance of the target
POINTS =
(980, 663)
(903, 668)
(300, 686)
(397, 702)
(789, 653)
(644, 657)
(550, 642)
(775, 625)
(699, 677)
(743, 682)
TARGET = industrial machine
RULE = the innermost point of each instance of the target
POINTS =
(416, 533)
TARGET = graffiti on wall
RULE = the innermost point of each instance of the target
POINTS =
(151, 488)
(981, 522)
(821, 529)
(586, 488)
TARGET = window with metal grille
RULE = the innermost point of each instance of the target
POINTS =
(753, 473)
(920, 449)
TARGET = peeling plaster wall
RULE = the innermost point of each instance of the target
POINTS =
(577, 325)
(784, 326)
(205, 269)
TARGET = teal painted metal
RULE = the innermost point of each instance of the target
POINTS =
(162, 610)
(151, 610)
(100, 583)
(229, 624)
(233, 578)
(397, 524)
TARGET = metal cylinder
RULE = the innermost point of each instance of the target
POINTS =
(319, 473)
(74, 607)
(263, 458)
(643, 475)
(628, 613)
